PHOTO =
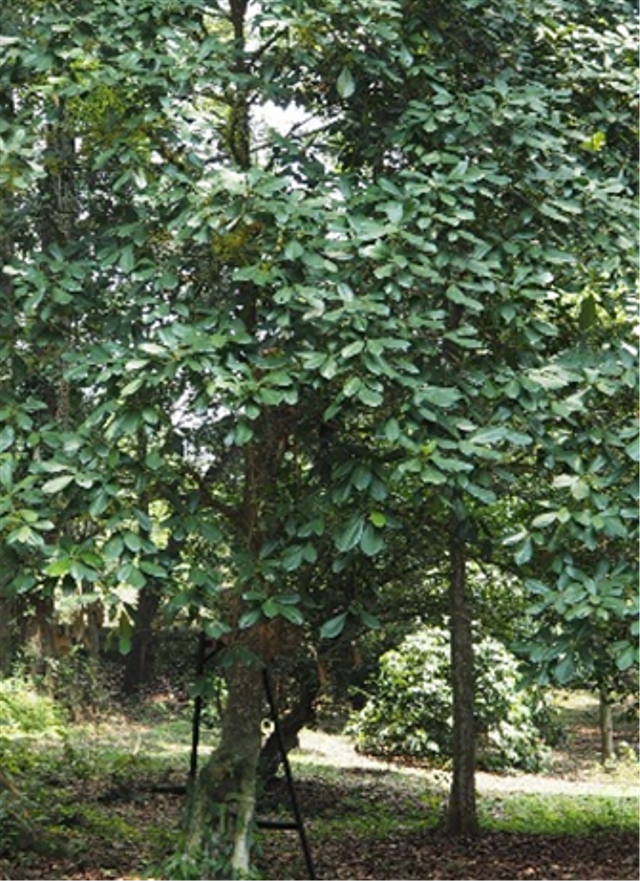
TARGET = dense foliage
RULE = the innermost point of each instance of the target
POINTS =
(408, 713)
(396, 312)
(239, 360)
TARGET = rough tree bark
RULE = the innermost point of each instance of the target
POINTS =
(221, 805)
(462, 815)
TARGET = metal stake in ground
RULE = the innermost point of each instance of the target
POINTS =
(289, 776)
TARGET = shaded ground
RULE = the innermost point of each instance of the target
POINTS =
(495, 856)
(96, 813)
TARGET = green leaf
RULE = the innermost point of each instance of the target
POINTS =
(329, 368)
(345, 84)
(489, 435)
(271, 608)
(293, 250)
(565, 670)
(154, 460)
(125, 630)
(371, 542)
(370, 397)
(132, 387)
(153, 569)
(633, 449)
(545, 519)
(99, 503)
(524, 552)
(352, 386)
(309, 553)
(127, 259)
(293, 558)
(130, 574)
(394, 211)
(292, 614)
(249, 618)
(59, 567)
(352, 349)
(392, 430)
(370, 620)
(243, 433)
(440, 396)
(132, 540)
(7, 437)
(57, 484)
(580, 489)
(6, 473)
(361, 476)
(216, 629)
(627, 658)
(288, 599)
(350, 537)
(334, 626)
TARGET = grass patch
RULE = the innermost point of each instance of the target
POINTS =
(559, 814)
(24, 710)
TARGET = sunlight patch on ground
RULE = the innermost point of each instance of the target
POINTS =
(338, 751)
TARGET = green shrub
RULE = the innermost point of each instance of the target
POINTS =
(23, 709)
(410, 711)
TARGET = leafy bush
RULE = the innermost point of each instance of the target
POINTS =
(410, 712)
(23, 709)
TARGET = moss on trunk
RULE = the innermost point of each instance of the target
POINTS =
(221, 805)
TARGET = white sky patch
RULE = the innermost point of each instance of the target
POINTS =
(282, 119)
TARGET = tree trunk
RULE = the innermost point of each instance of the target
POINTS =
(9, 634)
(40, 639)
(462, 816)
(302, 713)
(139, 662)
(607, 746)
(221, 806)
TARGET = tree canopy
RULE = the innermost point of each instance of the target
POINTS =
(241, 360)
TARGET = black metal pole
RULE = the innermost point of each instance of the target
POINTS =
(197, 707)
(289, 776)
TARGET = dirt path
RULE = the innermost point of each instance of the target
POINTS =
(338, 751)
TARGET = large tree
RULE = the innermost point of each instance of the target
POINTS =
(239, 357)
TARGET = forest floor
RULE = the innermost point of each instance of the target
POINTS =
(97, 803)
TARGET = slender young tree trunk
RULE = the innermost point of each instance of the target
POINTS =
(607, 746)
(221, 807)
(462, 817)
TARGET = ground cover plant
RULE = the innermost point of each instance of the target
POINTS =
(103, 801)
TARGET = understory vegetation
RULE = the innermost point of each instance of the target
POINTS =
(409, 710)
(103, 799)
